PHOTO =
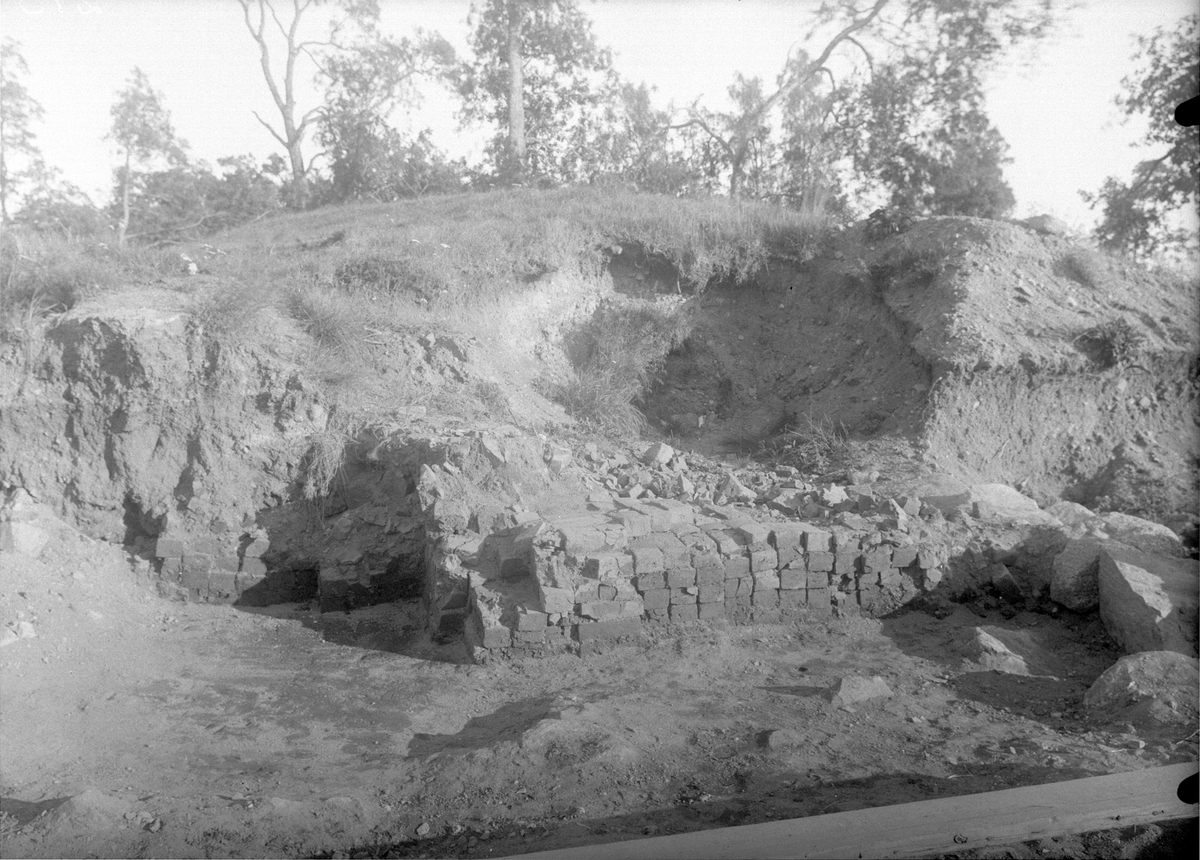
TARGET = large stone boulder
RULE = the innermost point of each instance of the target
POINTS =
(1148, 602)
(1153, 688)
(1075, 582)
(1141, 534)
(1003, 503)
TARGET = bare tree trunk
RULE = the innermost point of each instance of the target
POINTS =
(516, 91)
(123, 226)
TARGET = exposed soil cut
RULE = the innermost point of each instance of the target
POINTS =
(454, 649)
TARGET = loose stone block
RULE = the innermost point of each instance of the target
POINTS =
(707, 560)
(681, 577)
(903, 556)
(869, 596)
(763, 559)
(819, 562)
(600, 610)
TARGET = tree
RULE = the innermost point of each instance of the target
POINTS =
(537, 76)
(145, 137)
(18, 111)
(369, 158)
(1136, 216)
(264, 23)
(938, 49)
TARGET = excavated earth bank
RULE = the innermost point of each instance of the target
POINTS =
(369, 690)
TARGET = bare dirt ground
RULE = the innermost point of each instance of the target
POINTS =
(210, 731)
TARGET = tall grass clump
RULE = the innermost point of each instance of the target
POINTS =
(618, 355)
(810, 444)
(42, 274)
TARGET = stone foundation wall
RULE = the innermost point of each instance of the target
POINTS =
(566, 584)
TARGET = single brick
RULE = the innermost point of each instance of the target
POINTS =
(601, 565)
(171, 569)
(765, 599)
(728, 544)
(763, 559)
(222, 583)
(819, 602)
(681, 596)
(846, 563)
(877, 559)
(711, 611)
(652, 580)
(711, 593)
(257, 548)
(683, 613)
(819, 562)
(496, 637)
(788, 554)
(531, 619)
(754, 534)
(903, 556)
(168, 548)
(817, 540)
(247, 581)
(766, 579)
(195, 578)
(607, 592)
(816, 579)
(530, 637)
(735, 568)
(866, 579)
(707, 559)
(787, 535)
(647, 558)
(659, 598)
(710, 576)
(745, 586)
(600, 609)
(635, 524)
(561, 600)
(731, 588)
(793, 578)
(681, 577)
(198, 561)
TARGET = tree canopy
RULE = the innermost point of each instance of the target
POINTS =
(1156, 210)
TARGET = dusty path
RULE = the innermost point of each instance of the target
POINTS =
(211, 731)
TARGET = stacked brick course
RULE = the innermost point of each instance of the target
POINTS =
(567, 584)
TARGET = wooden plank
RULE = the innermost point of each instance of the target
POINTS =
(928, 826)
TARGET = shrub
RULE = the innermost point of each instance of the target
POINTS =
(603, 400)
(1111, 344)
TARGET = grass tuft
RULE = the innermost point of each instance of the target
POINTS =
(810, 444)
(1112, 344)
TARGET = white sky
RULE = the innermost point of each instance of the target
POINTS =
(1056, 112)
